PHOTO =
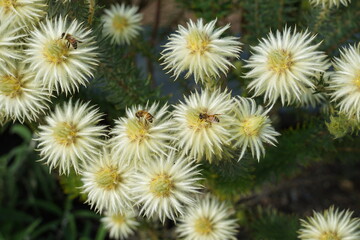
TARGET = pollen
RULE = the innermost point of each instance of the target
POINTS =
(65, 133)
(56, 51)
(203, 226)
(161, 185)
(329, 236)
(198, 42)
(120, 23)
(108, 178)
(10, 86)
(252, 125)
(357, 80)
(280, 60)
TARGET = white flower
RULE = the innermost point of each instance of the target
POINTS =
(70, 137)
(143, 133)
(121, 23)
(107, 182)
(329, 3)
(9, 37)
(4, 118)
(120, 225)
(284, 64)
(199, 50)
(331, 224)
(22, 12)
(62, 55)
(165, 185)
(22, 97)
(202, 124)
(251, 128)
(345, 82)
(207, 219)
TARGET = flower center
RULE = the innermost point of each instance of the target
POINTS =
(65, 133)
(203, 226)
(198, 42)
(120, 23)
(194, 122)
(356, 81)
(161, 185)
(10, 86)
(137, 131)
(56, 51)
(251, 126)
(280, 60)
(118, 219)
(329, 236)
(8, 5)
(108, 178)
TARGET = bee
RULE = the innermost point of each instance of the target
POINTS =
(209, 118)
(144, 114)
(71, 40)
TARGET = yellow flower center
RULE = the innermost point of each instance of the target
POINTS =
(120, 23)
(8, 5)
(65, 133)
(252, 125)
(10, 86)
(356, 80)
(198, 42)
(137, 131)
(194, 122)
(119, 219)
(161, 185)
(329, 236)
(108, 178)
(203, 226)
(56, 51)
(280, 60)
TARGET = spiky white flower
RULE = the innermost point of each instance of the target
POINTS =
(4, 118)
(22, 97)
(207, 219)
(144, 132)
(251, 128)
(22, 12)
(345, 82)
(107, 182)
(199, 50)
(202, 124)
(329, 225)
(311, 98)
(121, 23)
(9, 40)
(164, 186)
(284, 64)
(58, 62)
(330, 3)
(120, 225)
(71, 137)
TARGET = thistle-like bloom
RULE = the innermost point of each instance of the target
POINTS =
(143, 133)
(331, 224)
(329, 3)
(71, 137)
(3, 117)
(208, 219)
(22, 97)
(284, 64)
(199, 50)
(23, 12)
(121, 23)
(202, 124)
(9, 37)
(62, 55)
(346, 81)
(251, 128)
(107, 182)
(164, 186)
(120, 225)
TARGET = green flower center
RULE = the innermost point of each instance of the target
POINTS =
(108, 178)
(161, 185)
(280, 60)
(56, 51)
(10, 86)
(203, 226)
(120, 23)
(198, 42)
(252, 125)
(118, 219)
(329, 236)
(65, 133)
